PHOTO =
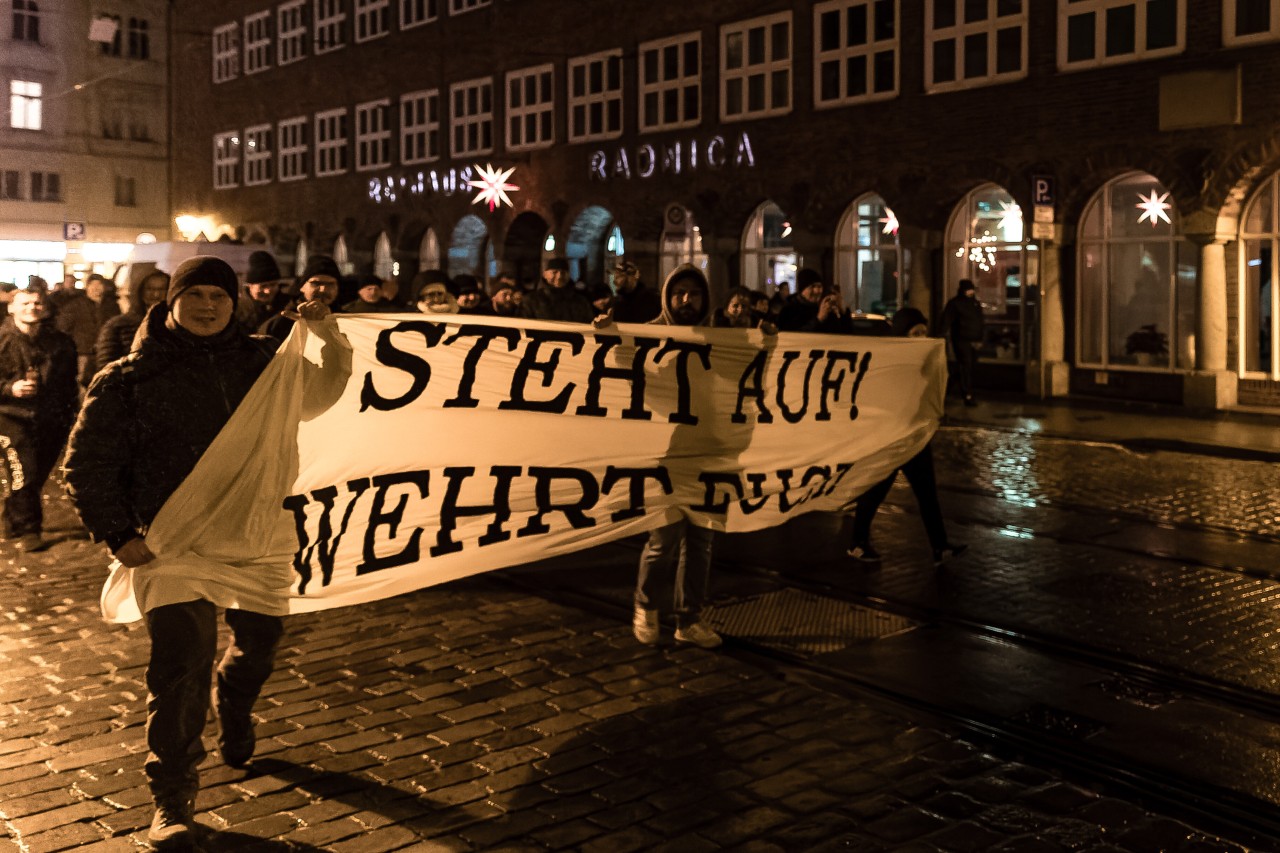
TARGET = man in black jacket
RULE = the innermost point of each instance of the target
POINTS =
(633, 302)
(556, 298)
(962, 323)
(813, 308)
(146, 421)
(38, 398)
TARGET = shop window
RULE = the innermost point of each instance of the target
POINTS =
(985, 244)
(294, 148)
(258, 155)
(471, 117)
(226, 160)
(420, 127)
(226, 52)
(26, 100)
(373, 135)
(855, 55)
(257, 42)
(1136, 279)
(331, 142)
(414, 13)
(755, 68)
(681, 241)
(330, 26)
(26, 21)
(671, 82)
(139, 38)
(291, 32)
(530, 108)
(373, 19)
(457, 7)
(1249, 21)
(867, 257)
(971, 43)
(769, 261)
(1106, 32)
(595, 96)
(1259, 240)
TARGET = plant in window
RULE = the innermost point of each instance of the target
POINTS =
(1147, 343)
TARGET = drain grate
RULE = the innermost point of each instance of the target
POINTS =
(802, 622)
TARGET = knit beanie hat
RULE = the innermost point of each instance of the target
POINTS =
(262, 268)
(558, 264)
(203, 269)
(425, 277)
(320, 265)
(807, 276)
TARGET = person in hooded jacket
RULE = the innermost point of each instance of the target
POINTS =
(116, 336)
(145, 422)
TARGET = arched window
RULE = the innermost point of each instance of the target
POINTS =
(985, 245)
(867, 255)
(681, 241)
(1136, 298)
(768, 258)
(429, 251)
(1259, 238)
(469, 248)
(383, 266)
(300, 258)
(342, 257)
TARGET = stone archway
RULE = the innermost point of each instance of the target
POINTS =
(587, 244)
(467, 247)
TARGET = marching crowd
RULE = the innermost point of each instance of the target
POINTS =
(136, 396)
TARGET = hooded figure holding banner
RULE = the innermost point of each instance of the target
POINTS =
(144, 425)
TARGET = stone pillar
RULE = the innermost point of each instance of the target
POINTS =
(916, 267)
(1050, 375)
(1211, 385)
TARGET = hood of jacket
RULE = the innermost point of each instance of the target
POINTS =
(691, 273)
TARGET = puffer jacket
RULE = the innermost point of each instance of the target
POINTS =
(51, 355)
(148, 418)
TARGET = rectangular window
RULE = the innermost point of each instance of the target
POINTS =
(373, 135)
(139, 38)
(26, 21)
(670, 92)
(855, 55)
(1092, 33)
(420, 127)
(974, 43)
(11, 185)
(257, 42)
(25, 105)
(291, 32)
(457, 7)
(1249, 21)
(139, 129)
(595, 96)
(126, 191)
(331, 142)
(109, 46)
(373, 19)
(331, 25)
(258, 155)
(46, 186)
(293, 163)
(471, 117)
(755, 68)
(530, 108)
(226, 53)
(414, 13)
(226, 160)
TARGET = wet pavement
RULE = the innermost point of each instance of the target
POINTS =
(516, 712)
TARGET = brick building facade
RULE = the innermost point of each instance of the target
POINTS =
(896, 145)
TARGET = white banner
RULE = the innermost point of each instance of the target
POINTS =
(381, 454)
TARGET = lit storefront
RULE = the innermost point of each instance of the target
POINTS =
(1259, 271)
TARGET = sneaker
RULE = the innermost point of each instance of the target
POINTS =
(236, 739)
(864, 553)
(699, 634)
(173, 825)
(644, 624)
(31, 542)
(946, 553)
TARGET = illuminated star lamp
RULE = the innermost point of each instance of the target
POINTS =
(493, 186)
(1154, 209)
(890, 220)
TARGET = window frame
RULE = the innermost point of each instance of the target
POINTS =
(538, 108)
(291, 43)
(139, 39)
(677, 84)
(430, 13)
(335, 21)
(367, 11)
(958, 32)
(291, 159)
(126, 191)
(1229, 17)
(1068, 9)
(29, 13)
(226, 57)
(477, 119)
(604, 97)
(257, 53)
(50, 186)
(377, 139)
(11, 185)
(428, 128)
(769, 67)
(843, 54)
(26, 106)
(226, 160)
(258, 158)
(461, 7)
(338, 145)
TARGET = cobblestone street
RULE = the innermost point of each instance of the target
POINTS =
(480, 716)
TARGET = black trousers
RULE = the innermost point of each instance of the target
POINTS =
(924, 484)
(38, 444)
(184, 639)
(966, 356)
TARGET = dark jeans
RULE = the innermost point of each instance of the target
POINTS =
(920, 476)
(676, 561)
(39, 446)
(966, 356)
(184, 639)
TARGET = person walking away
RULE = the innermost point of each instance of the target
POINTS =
(39, 394)
(908, 323)
(116, 335)
(145, 422)
(962, 324)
